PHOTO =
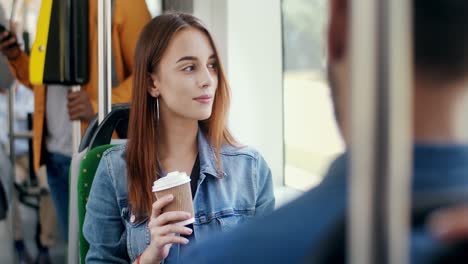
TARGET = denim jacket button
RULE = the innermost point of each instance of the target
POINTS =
(132, 218)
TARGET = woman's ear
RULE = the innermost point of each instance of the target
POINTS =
(153, 84)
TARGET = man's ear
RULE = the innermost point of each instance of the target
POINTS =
(338, 29)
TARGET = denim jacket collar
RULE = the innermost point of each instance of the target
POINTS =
(207, 157)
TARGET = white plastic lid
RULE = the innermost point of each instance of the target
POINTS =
(172, 179)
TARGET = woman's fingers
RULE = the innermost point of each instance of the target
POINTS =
(160, 204)
(173, 229)
(171, 217)
(172, 239)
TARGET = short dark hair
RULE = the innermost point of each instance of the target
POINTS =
(441, 38)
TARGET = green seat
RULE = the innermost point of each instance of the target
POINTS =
(88, 169)
(97, 139)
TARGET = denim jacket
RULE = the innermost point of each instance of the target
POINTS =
(222, 202)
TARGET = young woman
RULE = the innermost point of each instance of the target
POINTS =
(177, 123)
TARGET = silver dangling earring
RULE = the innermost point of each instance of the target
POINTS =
(157, 108)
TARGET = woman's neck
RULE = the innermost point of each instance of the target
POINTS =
(178, 146)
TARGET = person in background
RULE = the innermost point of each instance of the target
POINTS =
(45, 231)
(56, 107)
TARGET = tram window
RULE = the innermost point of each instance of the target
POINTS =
(311, 136)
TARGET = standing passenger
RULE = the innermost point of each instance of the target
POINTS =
(56, 107)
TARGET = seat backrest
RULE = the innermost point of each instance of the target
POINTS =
(99, 134)
(115, 121)
(88, 169)
(97, 139)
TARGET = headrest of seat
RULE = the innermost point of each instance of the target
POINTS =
(101, 134)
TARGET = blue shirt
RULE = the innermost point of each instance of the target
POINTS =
(222, 202)
(291, 233)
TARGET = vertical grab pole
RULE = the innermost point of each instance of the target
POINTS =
(399, 155)
(11, 136)
(76, 126)
(104, 101)
(73, 239)
(363, 118)
(104, 53)
(104, 107)
(381, 131)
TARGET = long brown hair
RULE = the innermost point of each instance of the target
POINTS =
(141, 153)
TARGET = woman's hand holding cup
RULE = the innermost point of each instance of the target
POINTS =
(163, 231)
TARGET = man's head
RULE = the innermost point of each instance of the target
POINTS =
(440, 48)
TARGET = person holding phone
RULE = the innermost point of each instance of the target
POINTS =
(56, 107)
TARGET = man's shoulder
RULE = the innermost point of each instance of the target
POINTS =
(285, 236)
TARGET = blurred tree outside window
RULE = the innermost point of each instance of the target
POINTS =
(312, 139)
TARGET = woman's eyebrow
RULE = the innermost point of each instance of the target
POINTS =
(193, 58)
(189, 58)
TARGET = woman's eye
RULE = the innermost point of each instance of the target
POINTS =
(189, 68)
(213, 66)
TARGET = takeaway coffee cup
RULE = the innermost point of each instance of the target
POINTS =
(177, 184)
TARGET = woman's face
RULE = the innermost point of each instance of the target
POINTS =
(187, 77)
